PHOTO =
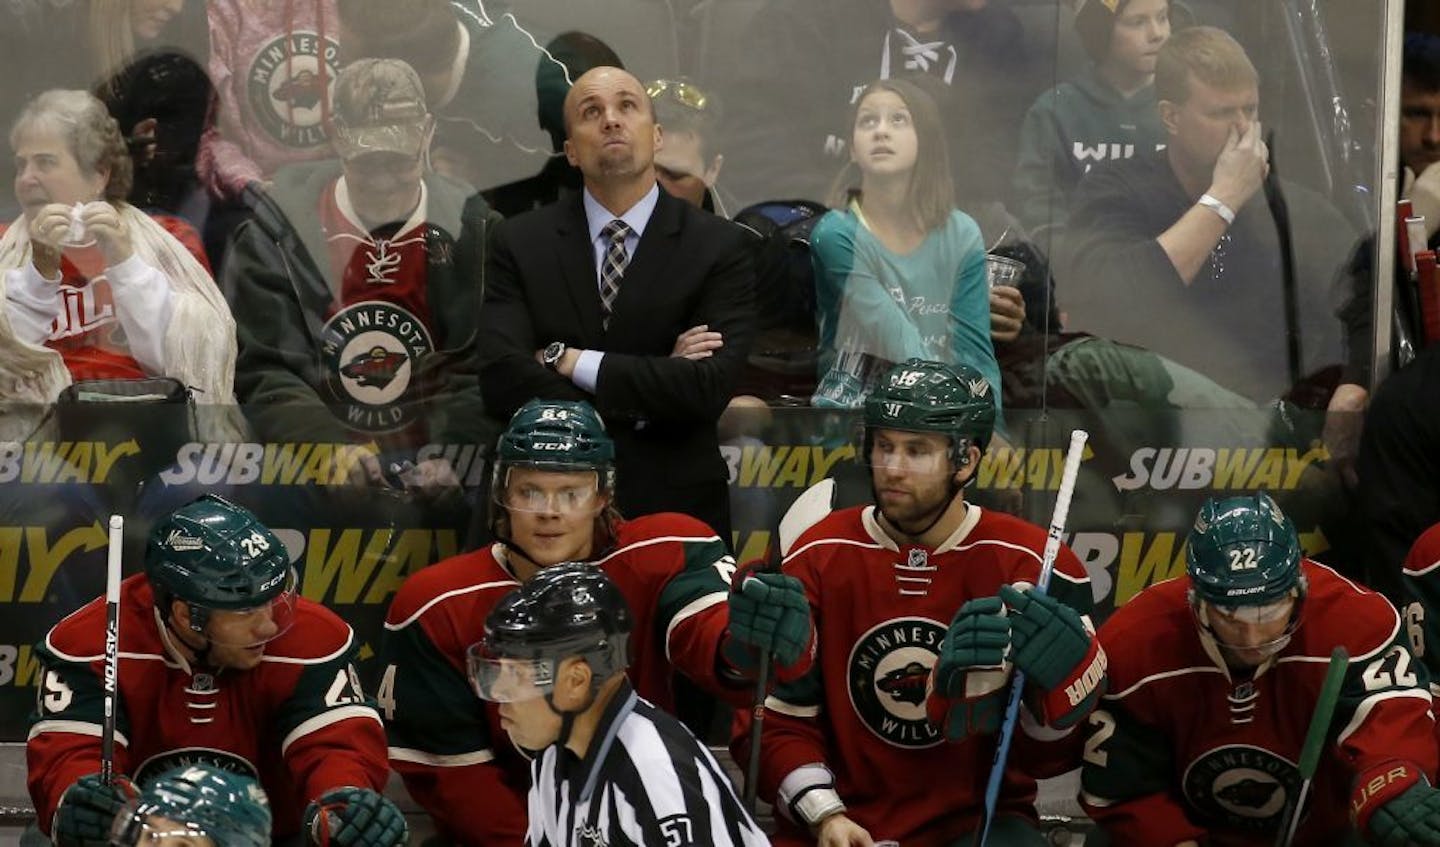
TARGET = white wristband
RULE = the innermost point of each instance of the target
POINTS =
(1226, 213)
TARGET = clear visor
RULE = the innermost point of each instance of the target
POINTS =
(926, 454)
(1268, 613)
(257, 625)
(1252, 632)
(133, 827)
(545, 497)
(504, 679)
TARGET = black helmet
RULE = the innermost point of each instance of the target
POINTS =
(570, 609)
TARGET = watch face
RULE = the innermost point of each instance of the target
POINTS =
(553, 352)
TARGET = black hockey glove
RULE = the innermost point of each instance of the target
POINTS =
(88, 808)
(355, 817)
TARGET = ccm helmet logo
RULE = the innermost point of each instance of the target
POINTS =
(558, 446)
(264, 586)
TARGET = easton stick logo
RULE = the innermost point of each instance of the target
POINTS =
(1241, 786)
(886, 674)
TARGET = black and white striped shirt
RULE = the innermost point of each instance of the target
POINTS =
(644, 781)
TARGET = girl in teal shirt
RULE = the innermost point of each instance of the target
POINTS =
(899, 272)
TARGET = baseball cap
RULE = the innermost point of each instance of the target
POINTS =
(379, 107)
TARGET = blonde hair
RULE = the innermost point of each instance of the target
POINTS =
(1209, 54)
(90, 133)
(112, 39)
(930, 195)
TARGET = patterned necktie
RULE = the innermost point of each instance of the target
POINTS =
(614, 267)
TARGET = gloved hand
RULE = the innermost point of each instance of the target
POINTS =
(88, 808)
(355, 817)
(768, 612)
(1057, 653)
(968, 681)
(1396, 806)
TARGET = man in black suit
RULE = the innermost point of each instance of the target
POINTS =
(629, 298)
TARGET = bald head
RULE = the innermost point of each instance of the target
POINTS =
(610, 129)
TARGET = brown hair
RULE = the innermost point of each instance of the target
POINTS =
(91, 134)
(931, 193)
(1210, 54)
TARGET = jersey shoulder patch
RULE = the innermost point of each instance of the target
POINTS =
(455, 574)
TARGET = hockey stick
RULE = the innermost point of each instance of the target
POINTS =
(112, 647)
(809, 508)
(1017, 687)
(1314, 744)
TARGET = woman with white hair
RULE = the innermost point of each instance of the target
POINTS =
(93, 288)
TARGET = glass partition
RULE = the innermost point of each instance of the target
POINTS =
(1170, 248)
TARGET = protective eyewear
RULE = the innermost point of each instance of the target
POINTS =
(505, 679)
(563, 501)
(136, 828)
(242, 625)
(1268, 613)
(685, 93)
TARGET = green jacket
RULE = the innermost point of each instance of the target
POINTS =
(1069, 128)
(279, 279)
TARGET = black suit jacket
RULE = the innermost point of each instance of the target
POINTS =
(689, 268)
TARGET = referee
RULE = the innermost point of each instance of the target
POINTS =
(615, 769)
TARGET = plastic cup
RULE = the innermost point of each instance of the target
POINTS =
(1001, 270)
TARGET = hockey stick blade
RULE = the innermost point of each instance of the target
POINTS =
(112, 646)
(1017, 686)
(1314, 743)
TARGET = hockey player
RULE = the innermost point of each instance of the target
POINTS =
(196, 806)
(856, 751)
(220, 662)
(615, 768)
(1213, 679)
(552, 490)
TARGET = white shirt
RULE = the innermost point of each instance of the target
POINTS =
(597, 217)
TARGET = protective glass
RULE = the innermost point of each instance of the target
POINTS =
(256, 625)
(504, 679)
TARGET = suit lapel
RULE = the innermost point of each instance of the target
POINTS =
(577, 269)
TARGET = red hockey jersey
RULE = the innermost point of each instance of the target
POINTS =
(299, 722)
(1180, 748)
(881, 611)
(448, 745)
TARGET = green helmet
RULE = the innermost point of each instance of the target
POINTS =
(1243, 551)
(920, 396)
(556, 435)
(229, 808)
(215, 555)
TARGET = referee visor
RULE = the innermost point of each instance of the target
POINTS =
(508, 679)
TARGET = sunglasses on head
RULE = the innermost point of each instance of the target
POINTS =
(684, 92)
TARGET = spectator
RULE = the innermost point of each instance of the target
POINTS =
(899, 272)
(1420, 129)
(1398, 465)
(93, 287)
(566, 57)
(358, 285)
(568, 315)
(273, 64)
(1106, 113)
(1179, 252)
(477, 72)
(807, 61)
(162, 102)
(688, 165)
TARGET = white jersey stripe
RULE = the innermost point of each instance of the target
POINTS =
(437, 760)
(499, 583)
(693, 608)
(324, 719)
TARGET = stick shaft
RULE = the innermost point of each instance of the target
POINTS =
(757, 724)
(1017, 687)
(1314, 742)
(112, 646)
